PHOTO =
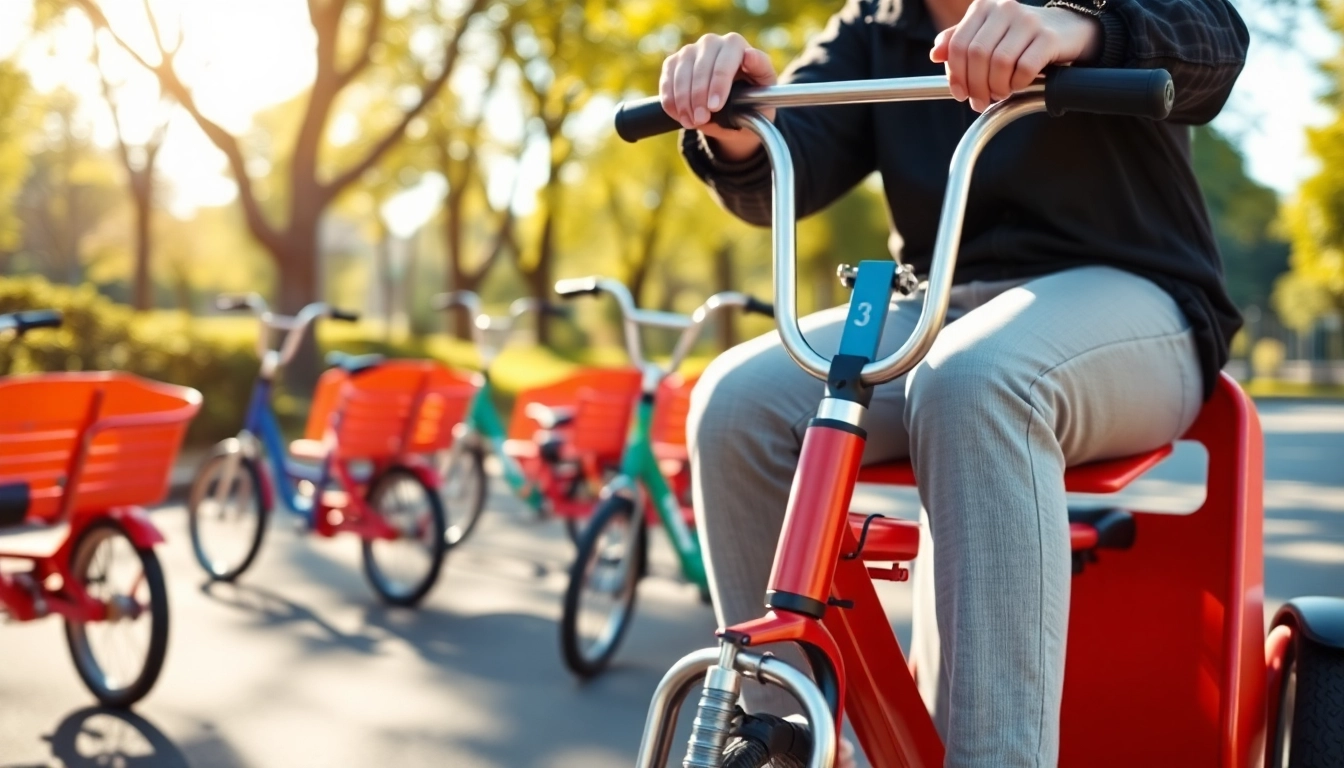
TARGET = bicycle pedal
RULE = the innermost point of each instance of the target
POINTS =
(894, 573)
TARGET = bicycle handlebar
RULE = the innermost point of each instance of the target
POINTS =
(1132, 92)
(1147, 93)
(634, 317)
(22, 322)
(482, 322)
(292, 326)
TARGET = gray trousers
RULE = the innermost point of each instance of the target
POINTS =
(1030, 377)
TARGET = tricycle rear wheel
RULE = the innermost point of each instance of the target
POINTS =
(129, 579)
(1310, 731)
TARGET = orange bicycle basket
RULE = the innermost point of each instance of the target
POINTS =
(87, 442)
(396, 408)
(602, 399)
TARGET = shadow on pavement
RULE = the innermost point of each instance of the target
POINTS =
(96, 737)
(274, 610)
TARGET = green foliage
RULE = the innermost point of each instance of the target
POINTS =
(1314, 218)
(16, 114)
(99, 335)
(1243, 213)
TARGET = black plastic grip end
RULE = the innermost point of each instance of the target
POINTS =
(1131, 92)
(755, 306)
(557, 310)
(344, 315)
(230, 303)
(37, 318)
(643, 119)
(577, 286)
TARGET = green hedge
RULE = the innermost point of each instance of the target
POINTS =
(99, 335)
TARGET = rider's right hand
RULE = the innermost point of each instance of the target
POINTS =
(696, 80)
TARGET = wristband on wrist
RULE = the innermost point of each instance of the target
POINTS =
(1094, 9)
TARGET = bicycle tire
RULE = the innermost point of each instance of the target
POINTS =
(374, 572)
(90, 669)
(200, 487)
(614, 510)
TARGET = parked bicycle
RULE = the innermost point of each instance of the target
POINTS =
(361, 468)
(80, 454)
(557, 448)
(1167, 659)
(651, 485)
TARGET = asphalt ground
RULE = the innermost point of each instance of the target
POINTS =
(299, 665)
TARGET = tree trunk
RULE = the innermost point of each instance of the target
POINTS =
(297, 271)
(459, 277)
(142, 190)
(539, 278)
(723, 281)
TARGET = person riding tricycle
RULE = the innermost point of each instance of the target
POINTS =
(1056, 328)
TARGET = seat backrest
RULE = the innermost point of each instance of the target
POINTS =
(670, 409)
(399, 407)
(1166, 640)
(91, 441)
(598, 383)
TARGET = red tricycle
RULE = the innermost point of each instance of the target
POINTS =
(361, 468)
(561, 442)
(1167, 661)
(79, 454)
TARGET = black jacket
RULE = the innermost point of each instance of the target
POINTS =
(1048, 193)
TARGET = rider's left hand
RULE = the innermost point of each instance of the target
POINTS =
(1000, 46)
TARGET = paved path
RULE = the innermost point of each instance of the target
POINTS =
(299, 666)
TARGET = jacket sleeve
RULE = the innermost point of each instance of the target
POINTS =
(832, 146)
(1202, 43)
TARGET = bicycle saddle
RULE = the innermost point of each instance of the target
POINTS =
(353, 364)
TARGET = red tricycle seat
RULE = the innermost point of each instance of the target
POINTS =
(396, 408)
(1108, 476)
(88, 442)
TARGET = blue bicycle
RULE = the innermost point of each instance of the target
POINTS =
(367, 474)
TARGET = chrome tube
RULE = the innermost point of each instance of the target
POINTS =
(854, 92)
(661, 723)
(944, 260)
(686, 342)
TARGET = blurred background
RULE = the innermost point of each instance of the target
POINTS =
(372, 153)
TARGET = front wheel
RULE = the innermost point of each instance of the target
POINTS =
(120, 657)
(600, 597)
(404, 569)
(227, 524)
(462, 486)
(1310, 731)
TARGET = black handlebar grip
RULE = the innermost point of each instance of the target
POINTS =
(757, 307)
(643, 119)
(577, 286)
(226, 303)
(557, 310)
(37, 318)
(1131, 92)
(344, 315)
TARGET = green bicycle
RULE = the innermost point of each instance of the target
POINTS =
(552, 473)
(613, 548)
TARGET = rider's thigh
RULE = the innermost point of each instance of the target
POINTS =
(1104, 356)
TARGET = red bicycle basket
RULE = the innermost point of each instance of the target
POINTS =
(87, 442)
(397, 408)
(670, 410)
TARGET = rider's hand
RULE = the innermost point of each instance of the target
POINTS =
(696, 80)
(1000, 46)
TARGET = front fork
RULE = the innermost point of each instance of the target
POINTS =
(722, 670)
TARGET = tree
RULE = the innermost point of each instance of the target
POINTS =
(139, 162)
(354, 39)
(1314, 218)
(16, 116)
(1242, 212)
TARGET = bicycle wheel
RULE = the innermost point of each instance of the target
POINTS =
(403, 570)
(600, 597)
(226, 528)
(119, 658)
(1310, 732)
(462, 488)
